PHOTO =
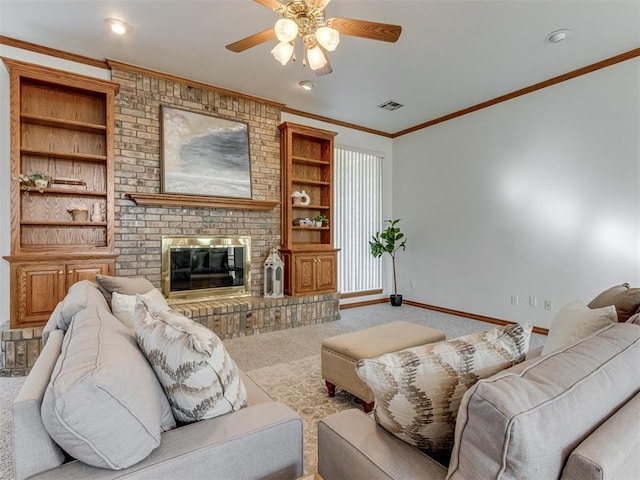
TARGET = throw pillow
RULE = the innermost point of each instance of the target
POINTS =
(104, 405)
(198, 376)
(123, 306)
(418, 390)
(635, 319)
(574, 322)
(625, 299)
(124, 285)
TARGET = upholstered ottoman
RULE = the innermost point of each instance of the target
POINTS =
(340, 354)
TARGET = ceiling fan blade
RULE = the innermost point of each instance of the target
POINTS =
(272, 4)
(366, 29)
(252, 41)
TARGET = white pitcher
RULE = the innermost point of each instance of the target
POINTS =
(96, 213)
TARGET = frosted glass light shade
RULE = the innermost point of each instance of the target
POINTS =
(328, 37)
(286, 29)
(282, 52)
(316, 58)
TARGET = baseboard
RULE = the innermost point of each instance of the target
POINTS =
(364, 303)
(472, 316)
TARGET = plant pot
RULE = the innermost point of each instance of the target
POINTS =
(318, 224)
(396, 300)
(41, 183)
(80, 215)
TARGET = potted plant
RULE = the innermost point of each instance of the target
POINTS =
(38, 179)
(390, 241)
(321, 220)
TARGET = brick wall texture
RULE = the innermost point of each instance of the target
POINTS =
(138, 229)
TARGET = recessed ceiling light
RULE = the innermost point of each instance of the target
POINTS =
(558, 35)
(117, 26)
(307, 85)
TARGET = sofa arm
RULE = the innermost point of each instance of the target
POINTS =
(352, 445)
(259, 441)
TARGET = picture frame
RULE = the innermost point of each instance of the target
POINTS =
(204, 155)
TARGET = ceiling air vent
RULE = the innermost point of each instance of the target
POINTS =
(390, 105)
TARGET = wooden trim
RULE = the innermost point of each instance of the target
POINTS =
(198, 201)
(189, 82)
(361, 294)
(623, 57)
(52, 52)
(472, 316)
(363, 304)
(332, 121)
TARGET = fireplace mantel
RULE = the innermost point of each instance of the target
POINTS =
(198, 201)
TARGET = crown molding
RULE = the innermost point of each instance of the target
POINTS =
(52, 52)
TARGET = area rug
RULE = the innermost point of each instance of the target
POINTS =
(8, 393)
(299, 385)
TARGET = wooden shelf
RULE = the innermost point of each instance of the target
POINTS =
(296, 227)
(311, 182)
(56, 223)
(83, 157)
(63, 191)
(312, 207)
(197, 201)
(59, 123)
(310, 161)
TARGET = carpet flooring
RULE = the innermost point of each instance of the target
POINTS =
(286, 364)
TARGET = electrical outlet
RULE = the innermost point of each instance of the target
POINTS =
(533, 302)
(412, 284)
(548, 305)
(515, 300)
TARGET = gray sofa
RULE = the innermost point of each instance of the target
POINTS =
(261, 440)
(573, 414)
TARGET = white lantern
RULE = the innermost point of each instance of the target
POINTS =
(273, 275)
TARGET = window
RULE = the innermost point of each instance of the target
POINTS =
(357, 216)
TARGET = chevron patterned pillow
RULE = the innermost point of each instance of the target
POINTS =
(197, 374)
(418, 390)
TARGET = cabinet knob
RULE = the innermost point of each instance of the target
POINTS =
(60, 272)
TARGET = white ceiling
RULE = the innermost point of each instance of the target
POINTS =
(452, 54)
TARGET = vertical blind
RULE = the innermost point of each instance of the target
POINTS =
(357, 216)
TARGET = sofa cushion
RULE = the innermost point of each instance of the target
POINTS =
(104, 405)
(625, 299)
(417, 390)
(523, 423)
(80, 295)
(124, 285)
(123, 306)
(198, 376)
(576, 321)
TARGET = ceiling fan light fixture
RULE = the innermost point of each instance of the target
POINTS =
(282, 52)
(316, 58)
(286, 29)
(328, 37)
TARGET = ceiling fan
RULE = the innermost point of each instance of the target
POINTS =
(306, 19)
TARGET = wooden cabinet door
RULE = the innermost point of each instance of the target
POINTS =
(326, 277)
(86, 271)
(304, 274)
(40, 288)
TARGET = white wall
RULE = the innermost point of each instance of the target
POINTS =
(538, 196)
(5, 171)
(373, 143)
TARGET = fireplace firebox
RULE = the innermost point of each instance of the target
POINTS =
(196, 267)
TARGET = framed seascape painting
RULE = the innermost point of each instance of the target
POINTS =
(204, 155)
